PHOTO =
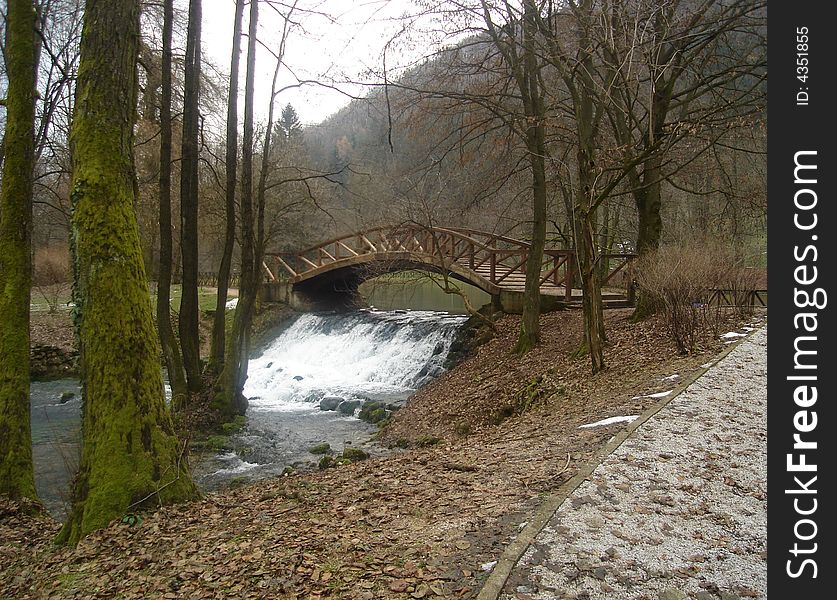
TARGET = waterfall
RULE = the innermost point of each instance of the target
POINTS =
(365, 354)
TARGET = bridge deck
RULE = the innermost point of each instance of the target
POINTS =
(489, 261)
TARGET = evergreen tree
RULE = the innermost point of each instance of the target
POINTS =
(289, 122)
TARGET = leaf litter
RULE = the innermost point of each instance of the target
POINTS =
(418, 523)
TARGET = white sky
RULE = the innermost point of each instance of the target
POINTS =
(337, 41)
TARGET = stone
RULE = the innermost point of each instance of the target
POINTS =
(672, 594)
(348, 407)
(323, 448)
(330, 402)
(66, 397)
(354, 454)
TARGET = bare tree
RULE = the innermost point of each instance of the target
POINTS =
(216, 359)
(189, 310)
(168, 341)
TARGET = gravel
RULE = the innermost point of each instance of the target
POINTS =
(679, 510)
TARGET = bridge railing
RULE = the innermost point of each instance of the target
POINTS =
(497, 259)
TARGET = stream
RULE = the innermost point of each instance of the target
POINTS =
(348, 358)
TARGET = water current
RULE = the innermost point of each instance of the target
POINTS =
(338, 360)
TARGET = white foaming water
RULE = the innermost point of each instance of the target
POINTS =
(235, 464)
(363, 354)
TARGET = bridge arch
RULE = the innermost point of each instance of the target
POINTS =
(493, 263)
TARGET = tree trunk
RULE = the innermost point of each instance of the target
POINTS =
(532, 95)
(216, 357)
(189, 310)
(171, 351)
(530, 321)
(231, 399)
(585, 209)
(16, 472)
(130, 455)
(648, 206)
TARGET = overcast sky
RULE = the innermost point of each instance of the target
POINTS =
(336, 41)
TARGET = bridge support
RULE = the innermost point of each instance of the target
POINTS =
(304, 300)
(511, 301)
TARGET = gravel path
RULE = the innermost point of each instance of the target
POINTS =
(678, 511)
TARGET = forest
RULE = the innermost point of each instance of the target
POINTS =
(139, 171)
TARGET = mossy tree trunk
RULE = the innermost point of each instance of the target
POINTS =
(16, 472)
(189, 309)
(168, 341)
(218, 345)
(130, 455)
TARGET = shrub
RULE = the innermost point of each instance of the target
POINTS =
(680, 282)
(51, 275)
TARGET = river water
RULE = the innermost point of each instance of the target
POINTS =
(363, 355)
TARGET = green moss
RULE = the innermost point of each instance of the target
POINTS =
(373, 412)
(130, 458)
(429, 440)
(462, 428)
(526, 397)
(217, 443)
(323, 448)
(580, 352)
(234, 426)
(16, 473)
(354, 454)
(327, 462)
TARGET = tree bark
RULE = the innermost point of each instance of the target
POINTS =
(130, 455)
(532, 95)
(648, 201)
(216, 358)
(17, 478)
(189, 310)
(585, 208)
(231, 399)
(168, 341)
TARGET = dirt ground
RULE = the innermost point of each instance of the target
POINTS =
(474, 453)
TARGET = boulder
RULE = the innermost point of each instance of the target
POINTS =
(348, 407)
(330, 402)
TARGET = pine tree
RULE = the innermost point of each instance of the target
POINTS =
(289, 122)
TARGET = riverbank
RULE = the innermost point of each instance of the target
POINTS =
(486, 442)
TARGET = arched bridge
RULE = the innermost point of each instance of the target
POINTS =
(494, 263)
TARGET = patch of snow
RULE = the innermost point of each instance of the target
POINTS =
(732, 334)
(671, 377)
(488, 566)
(658, 394)
(706, 365)
(610, 421)
(231, 303)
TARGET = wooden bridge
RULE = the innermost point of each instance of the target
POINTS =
(494, 263)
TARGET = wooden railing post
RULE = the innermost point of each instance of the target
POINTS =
(568, 280)
(493, 266)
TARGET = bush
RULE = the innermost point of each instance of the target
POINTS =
(51, 275)
(681, 282)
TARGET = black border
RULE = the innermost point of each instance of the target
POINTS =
(793, 128)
